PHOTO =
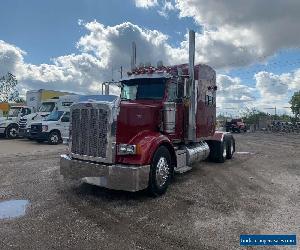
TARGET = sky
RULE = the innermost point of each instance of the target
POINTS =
(75, 45)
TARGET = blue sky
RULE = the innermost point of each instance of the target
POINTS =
(252, 45)
(47, 29)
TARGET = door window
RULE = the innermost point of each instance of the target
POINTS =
(66, 117)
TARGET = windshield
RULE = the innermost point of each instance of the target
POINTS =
(14, 111)
(54, 116)
(47, 107)
(143, 89)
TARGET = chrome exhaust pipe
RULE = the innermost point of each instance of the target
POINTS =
(192, 89)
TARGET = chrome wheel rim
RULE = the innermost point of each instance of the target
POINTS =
(54, 138)
(162, 171)
(13, 132)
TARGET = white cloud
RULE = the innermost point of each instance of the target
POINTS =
(240, 32)
(112, 44)
(102, 48)
(145, 3)
(231, 92)
(10, 57)
(271, 85)
(167, 6)
(105, 46)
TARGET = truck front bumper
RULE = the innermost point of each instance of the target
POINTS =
(2, 131)
(39, 136)
(119, 177)
(24, 132)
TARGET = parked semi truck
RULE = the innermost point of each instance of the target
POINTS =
(235, 125)
(44, 102)
(55, 127)
(9, 124)
(163, 122)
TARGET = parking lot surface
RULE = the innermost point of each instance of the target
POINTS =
(258, 192)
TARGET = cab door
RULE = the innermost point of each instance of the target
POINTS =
(65, 124)
(175, 93)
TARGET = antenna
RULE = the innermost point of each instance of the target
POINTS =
(133, 56)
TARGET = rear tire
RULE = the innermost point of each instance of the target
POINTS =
(230, 147)
(218, 151)
(160, 172)
(54, 138)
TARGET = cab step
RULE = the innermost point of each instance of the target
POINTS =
(182, 169)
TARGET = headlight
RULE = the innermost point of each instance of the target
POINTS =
(44, 128)
(126, 149)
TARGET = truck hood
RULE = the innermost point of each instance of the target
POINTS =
(36, 116)
(135, 117)
(8, 119)
(49, 123)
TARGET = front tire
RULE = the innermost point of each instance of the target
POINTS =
(12, 132)
(54, 138)
(160, 172)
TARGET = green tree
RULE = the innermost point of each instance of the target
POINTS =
(252, 116)
(8, 91)
(295, 104)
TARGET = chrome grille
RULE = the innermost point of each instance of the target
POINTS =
(90, 132)
(22, 123)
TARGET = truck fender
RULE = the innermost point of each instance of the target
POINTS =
(147, 143)
(218, 136)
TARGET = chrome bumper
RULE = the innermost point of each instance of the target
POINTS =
(118, 177)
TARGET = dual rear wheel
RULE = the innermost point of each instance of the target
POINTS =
(222, 150)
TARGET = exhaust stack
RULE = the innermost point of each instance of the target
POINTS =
(133, 56)
(192, 89)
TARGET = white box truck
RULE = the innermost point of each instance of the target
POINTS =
(44, 102)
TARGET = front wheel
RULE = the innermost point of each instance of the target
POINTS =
(160, 172)
(54, 138)
(12, 132)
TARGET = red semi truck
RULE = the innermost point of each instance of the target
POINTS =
(163, 122)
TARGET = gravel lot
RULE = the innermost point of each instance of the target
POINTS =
(258, 192)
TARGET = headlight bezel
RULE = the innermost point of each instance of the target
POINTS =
(127, 149)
